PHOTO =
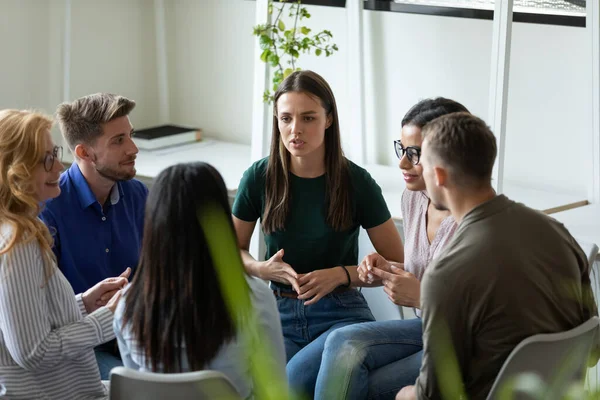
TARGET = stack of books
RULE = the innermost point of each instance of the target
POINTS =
(165, 136)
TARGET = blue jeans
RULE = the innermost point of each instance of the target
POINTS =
(107, 357)
(305, 329)
(373, 360)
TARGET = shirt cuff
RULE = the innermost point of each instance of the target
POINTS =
(103, 319)
(79, 299)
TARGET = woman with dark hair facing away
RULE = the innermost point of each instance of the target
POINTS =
(377, 359)
(173, 316)
(311, 201)
(47, 333)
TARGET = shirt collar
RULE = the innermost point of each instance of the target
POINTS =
(85, 194)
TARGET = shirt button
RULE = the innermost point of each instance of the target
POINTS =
(107, 250)
(103, 218)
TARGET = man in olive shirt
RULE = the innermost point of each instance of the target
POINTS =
(509, 273)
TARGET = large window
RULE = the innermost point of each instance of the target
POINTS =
(560, 7)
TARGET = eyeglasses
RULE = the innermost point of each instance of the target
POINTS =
(413, 153)
(57, 153)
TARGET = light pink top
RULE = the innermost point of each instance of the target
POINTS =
(418, 252)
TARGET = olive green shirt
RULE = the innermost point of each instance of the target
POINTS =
(510, 272)
(309, 243)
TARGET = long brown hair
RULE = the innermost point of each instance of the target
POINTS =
(175, 297)
(277, 196)
(22, 147)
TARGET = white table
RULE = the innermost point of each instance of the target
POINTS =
(230, 159)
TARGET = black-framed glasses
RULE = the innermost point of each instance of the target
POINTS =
(57, 153)
(413, 153)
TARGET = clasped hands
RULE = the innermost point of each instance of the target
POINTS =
(402, 287)
(105, 293)
(310, 287)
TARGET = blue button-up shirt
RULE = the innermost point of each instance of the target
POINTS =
(90, 243)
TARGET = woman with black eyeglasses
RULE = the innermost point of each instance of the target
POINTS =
(47, 333)
(388, 353)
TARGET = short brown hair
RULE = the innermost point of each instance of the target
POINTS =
(81, 121)
(465, 144)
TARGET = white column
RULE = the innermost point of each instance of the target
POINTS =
(593, 28)
(164, 112)
(261, 112)
(66, 81)
(499, 74)
(364, 150)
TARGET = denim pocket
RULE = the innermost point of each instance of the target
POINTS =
(350, 299)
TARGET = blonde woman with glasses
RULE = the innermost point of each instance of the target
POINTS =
(47, 333)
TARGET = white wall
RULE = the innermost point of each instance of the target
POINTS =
(210, 50)
(210, 59)
(407, 57)
(112, 51)
(24, 80)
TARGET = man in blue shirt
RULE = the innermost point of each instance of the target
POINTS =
(97, 221)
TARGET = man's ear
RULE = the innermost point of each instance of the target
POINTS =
(81, 152)
(441, 176)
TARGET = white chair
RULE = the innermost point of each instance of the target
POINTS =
(591, 250)
(129, 384)
(558, 359)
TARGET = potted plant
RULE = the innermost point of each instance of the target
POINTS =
(283, 42)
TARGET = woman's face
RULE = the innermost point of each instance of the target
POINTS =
(410, 136)
(302, 122)
(47, 172)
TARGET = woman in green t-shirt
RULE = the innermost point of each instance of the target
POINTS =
(311, 201)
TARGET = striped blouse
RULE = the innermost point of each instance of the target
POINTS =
(46, 336)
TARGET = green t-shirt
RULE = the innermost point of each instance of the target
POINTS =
(308, 241)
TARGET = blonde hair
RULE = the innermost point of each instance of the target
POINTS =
(22, 146)
(81, 121)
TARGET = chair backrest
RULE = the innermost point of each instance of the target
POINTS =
(129, 384)
(590, 249)
(559, 359)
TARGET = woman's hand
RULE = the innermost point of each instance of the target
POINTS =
(104, 291)
(317, 284)
(275, 269)
(364, 269)
(402, 288)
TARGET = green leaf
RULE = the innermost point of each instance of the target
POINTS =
(305, 30)
(294, 53)
(281, 25)
(318, 52)
(287, 72)
(273, 59)
(265, 55)
(265, 42)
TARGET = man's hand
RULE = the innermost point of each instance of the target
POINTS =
(402, 288)
(102, 292)
(112, 303)
(407, 393)
(317, 284)
(275, 269)
(373, 260)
